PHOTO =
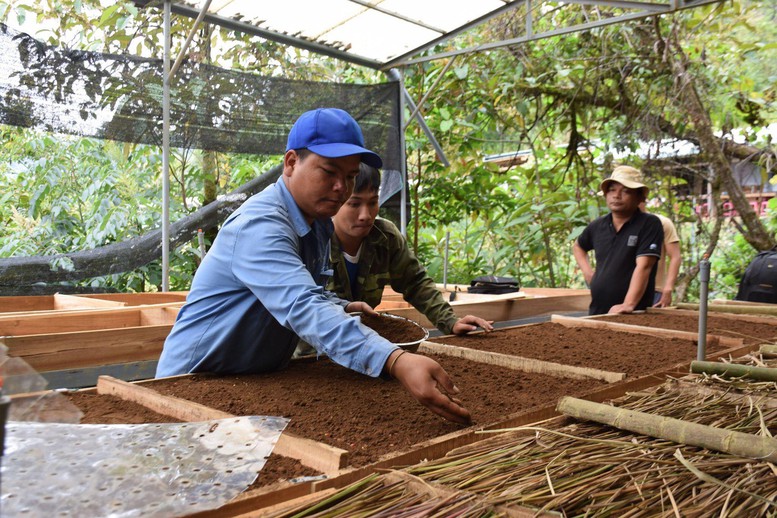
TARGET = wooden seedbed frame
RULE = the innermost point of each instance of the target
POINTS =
(87, 337)
(51, 341)
(334, 461)
(64, 302)
(533, 302)
(323, 457)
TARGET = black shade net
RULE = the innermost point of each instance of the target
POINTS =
(119, 97)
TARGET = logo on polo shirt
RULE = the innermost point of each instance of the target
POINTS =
(632, 241)
(653, 246)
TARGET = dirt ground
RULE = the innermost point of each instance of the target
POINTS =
(613, 351)
(753, 333)
(366, 416)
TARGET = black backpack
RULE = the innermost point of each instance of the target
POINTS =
(493, 285)
(759, 283)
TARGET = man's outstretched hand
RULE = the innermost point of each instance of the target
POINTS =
(469, 323)
(429, 384)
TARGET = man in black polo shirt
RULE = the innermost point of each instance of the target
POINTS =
(626, 243)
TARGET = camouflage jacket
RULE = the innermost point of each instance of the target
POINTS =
(386, 260)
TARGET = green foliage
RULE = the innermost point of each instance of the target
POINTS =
(571, 101)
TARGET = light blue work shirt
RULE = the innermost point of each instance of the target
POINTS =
(259, 289)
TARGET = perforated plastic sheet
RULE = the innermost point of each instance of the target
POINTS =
(53, 469)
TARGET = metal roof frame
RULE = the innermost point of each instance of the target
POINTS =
(341, 50)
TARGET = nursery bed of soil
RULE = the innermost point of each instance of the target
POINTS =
(107, 409)
(370, 417)
(394, 329)
(613, 351)
(753, 333)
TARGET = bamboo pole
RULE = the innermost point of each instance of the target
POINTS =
(734, 370)
(675, 430)
(770, 309)
(768, 350)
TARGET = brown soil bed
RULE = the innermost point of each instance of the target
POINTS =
(394, 329)
(107, 409)
(613, 351)
(366, 416)
(753, 333)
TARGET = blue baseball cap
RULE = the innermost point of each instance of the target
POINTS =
(331, 133)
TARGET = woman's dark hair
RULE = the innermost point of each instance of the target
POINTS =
(367, 179)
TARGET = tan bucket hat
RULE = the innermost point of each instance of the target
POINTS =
(626, 176)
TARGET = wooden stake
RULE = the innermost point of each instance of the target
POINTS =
(676, 430)
(734, 370)
(757, 319)
(521, 363)
(770, 309)
(725, 341)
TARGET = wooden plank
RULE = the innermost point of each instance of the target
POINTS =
(317, 455)
(158, 315)
(46, 322)
(266, 501)
(25, 303)
(756, 319)
(725, 341)
(313, 454)
(181, 409)
(763, 309)
(504, 310)
(726, 302)
(88, 348)
(62, 301)
(521, 363)
(137, 299)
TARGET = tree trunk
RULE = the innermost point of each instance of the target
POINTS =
(130, 254)
(756, 234)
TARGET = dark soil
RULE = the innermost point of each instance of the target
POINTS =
(395, 330)
(107, 409)
(753, 333)
(614, 351)
(366, 416)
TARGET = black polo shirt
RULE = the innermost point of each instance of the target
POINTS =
(616, 257)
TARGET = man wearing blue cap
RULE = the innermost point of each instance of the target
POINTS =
(260, 288)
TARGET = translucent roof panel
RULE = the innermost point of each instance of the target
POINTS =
(386, 33)
(374, 31)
